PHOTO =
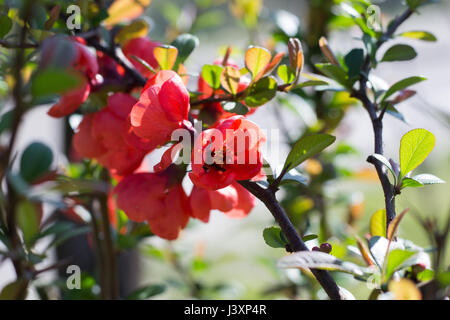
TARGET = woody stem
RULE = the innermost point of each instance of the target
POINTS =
(267, 196)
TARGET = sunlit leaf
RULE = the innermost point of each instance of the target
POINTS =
(138, 28)
(420, 35)
(121, 10)
(256, 61)
(415, 146)
(211, 74)
(229, 79)
(307, 147)
(427, 178)
(261, 92)
(165, 56)
(286, 73)
(396, 260)
(378, 223)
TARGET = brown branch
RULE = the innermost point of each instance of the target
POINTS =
(377, 121)
(296, 243)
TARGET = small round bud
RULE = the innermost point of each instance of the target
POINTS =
(325, 247)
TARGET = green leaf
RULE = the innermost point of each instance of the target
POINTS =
(402, 84)
(426, 275)
(387, 164)
(185, 43)
(147, 292)
(378, 223)
(319, 260)
(311, 83)
(333, 71)
(235, 107)
(427, 178)
(6, 120)
(273, 237)
(354, 61)
(399, 52)
(256, 61)
(414, 4)
(35, 161)
(420, 35)
(211, 75)
(261, 92)
(409, 182)
(395, 113)
(294, 176)
(396, 259)
(14, 290)
(5, 25)
(307, 147)
(415, 146)
(28, 220)
(286, 73)
(309, 237)
(138, 28)
(54, 81)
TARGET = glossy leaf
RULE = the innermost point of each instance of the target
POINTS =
(402, 84)
(286, 73)
(378, 223)
(185, 43)
(415, 146)
(294, 176)
(427, 178)
(354, 61)
(409, 182)
(35, 161)
(229, 79)
(166, 56)
(261, 92)
(211, 74)
(399, 52)
(395, 260)
(307, 147)
(420, 35)
(273, 238)
(256, 61)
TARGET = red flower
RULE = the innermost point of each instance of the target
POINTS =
(162, 107)
(141, 48)
(84, 63)
(234, 200)
(229, 151)
(103, 136)
(150, 197)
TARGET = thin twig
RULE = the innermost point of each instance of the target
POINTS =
(295, 241)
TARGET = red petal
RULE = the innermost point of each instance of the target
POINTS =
(245, 202)
(200, 203)
(83, 141)
(69, 102)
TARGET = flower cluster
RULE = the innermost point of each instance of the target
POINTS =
(122, 133)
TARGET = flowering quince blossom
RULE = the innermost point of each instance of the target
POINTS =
(102, 135)
(162, 107)
(234, 200)
(152, 197)
(84, 63)
(229, 151)
(143, 48)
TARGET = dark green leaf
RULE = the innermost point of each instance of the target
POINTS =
(185, 43)
(235, 107)
(35, 161)
(333, 71)
(307, 147)
(273, 238)
(5, 25)
(261, 92)
(354, 61)
(399, 52)
(6, 121)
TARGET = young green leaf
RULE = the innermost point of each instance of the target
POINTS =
(427, 178)
(396, 259)
(286, 73)
(378, 223)
(409, 182)
(420, 35)
(28, 220)
(402, 84)
(261, 92)
(415, 146)
(399, 52)
(138, 28)
(307, 147)
(334, 72)
(273, 238)
(256, 61)
(35, 161)
(165, 56)
(211, 75)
